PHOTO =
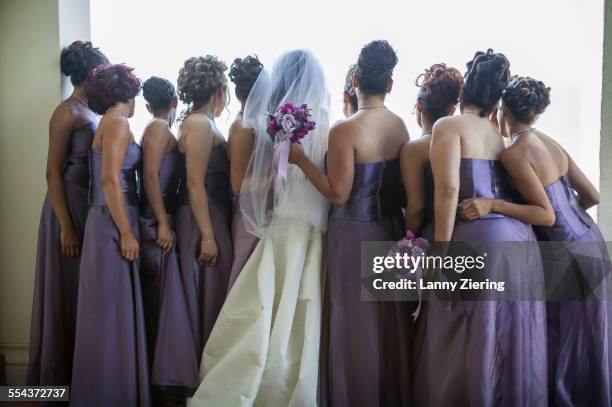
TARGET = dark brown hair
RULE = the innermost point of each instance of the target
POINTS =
(526, 98)
(79, 59)
(158, 92)
(486, 77)
(440, 88)
(243, 73)
(375, 67)
(199, 79)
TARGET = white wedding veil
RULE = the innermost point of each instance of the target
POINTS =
(297, 76)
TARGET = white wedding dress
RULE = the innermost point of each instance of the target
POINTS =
(264, 347)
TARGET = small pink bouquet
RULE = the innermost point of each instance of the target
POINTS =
(289, 124)
(410, 244)
(413, 247)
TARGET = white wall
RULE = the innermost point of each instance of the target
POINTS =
(30, 44)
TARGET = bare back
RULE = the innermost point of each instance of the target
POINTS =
(547, 158)
(198, 124)
(376, 135)
(479, 138)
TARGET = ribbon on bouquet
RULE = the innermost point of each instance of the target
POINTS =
(280, 160)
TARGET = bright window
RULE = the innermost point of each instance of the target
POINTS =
(556, 41)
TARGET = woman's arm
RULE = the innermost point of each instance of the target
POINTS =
(240, 149)
(336, 185)
(588, 196)
(115, 140)
(414, 185)
(60, 129)
(198, 145)
(154, 142)
(538, 211)
(445, 158)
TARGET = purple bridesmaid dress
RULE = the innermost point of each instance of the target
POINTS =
(427, 231)
(56, 281)
(243, 242)
(205, 285)
(166, 314)
(110, 357)
(487, 352)
(579, 362)
(364, 345)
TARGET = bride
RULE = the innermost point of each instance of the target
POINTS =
(264, 347)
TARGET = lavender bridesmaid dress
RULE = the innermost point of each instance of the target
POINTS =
(364, 345)
(205, 285)
(427, 231)
(580, 369)
(166, 314)
(243, 242)
(110, 357)
(56, 284)
(487, 352)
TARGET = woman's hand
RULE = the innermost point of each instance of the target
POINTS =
(296, 154)
(69, 242)
(208, 252)
(165, 238)
(475, 208)
(129, 246)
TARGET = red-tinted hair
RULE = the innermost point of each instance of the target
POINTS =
(440, 87)
(110, 84)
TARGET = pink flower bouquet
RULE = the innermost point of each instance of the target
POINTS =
(289, 124)
(413, 247)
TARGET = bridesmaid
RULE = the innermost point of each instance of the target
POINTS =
(494, 351)
(243, 73)
(363, 184)
(438, 96)
(166, 313)
(557, 194)
(110, 357)
(203, 219)
(62, 222)
(160, 174)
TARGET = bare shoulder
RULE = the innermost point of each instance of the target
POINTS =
(195, 122)
(156, 129)
(393, 117)
(236, 127)
(117, 126)
(398, 123)
(64, 112)
(343, 130)
(515, 153)
(449, 121)
(447, 126)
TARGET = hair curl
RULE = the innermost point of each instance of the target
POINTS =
(79, 59)
(526, 98)
(486, 77)
(440, 88)
(158, 92)
(349, 89)
(243, 73)
(199, 79)
(110, 84)
(375, 67)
